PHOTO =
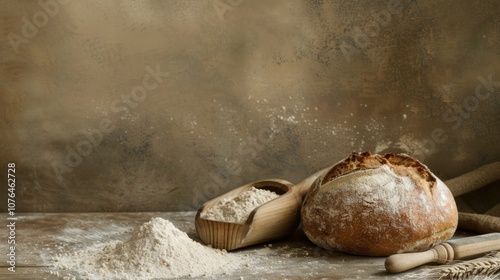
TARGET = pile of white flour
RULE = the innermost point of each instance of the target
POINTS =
(156, 250)
(237, 209)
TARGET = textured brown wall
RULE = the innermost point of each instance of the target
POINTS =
(254, 90)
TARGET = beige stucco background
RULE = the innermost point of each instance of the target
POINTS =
(161, 105)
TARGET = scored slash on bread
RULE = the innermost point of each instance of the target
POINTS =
(402, 164)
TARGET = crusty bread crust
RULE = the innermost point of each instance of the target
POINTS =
(379, 205)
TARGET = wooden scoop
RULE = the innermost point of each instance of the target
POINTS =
(272, 220)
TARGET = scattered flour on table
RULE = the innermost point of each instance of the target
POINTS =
(237, 209)
(157, 249)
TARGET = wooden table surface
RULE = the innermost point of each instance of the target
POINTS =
(40, 236)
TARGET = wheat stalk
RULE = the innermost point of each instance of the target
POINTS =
(487, 267)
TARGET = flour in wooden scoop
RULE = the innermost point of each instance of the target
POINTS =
(157, 249)
(238, 209)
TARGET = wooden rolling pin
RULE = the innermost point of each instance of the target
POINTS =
(445, 252)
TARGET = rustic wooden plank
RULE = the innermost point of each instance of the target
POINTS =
(41, 236)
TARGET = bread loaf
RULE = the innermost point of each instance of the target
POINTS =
(376, 205)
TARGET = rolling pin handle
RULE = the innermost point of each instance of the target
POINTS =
(445, 253)
(401, 262)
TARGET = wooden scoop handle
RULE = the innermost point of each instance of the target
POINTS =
(306, 184)
(442, 253)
